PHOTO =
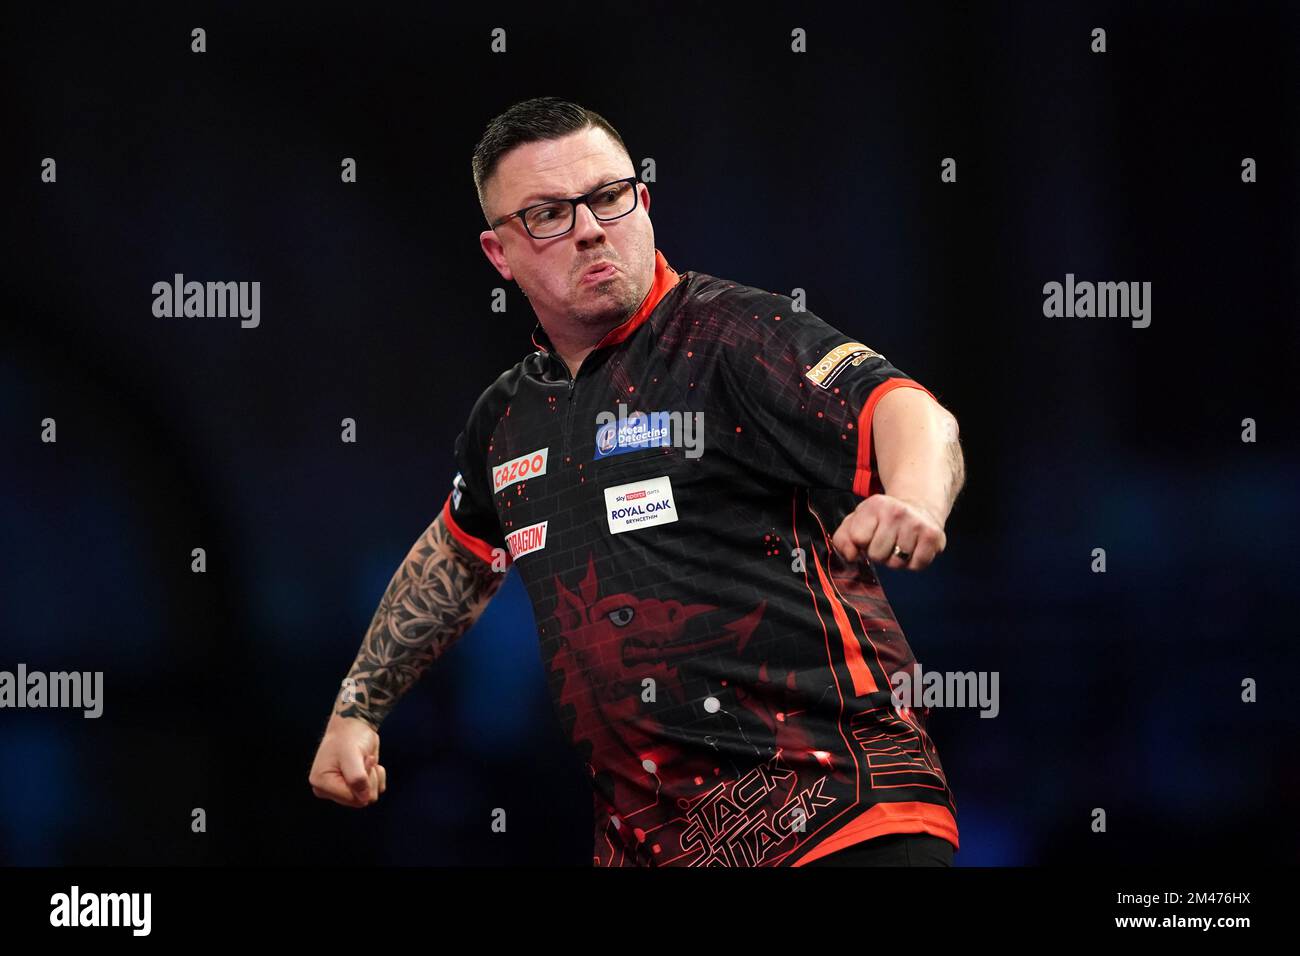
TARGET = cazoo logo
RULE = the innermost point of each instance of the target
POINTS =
(530, 465)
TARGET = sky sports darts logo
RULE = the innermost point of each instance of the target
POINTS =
(617, 434)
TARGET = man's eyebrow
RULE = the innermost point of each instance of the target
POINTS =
(538, 197)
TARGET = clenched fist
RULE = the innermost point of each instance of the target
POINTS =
(347, 768)
(882, 521)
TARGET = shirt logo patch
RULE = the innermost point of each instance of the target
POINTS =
(526, 540)
(824, 373)
(531, 465)
(635, 431)
(640, 504)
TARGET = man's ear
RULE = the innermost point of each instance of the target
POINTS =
(490, 243)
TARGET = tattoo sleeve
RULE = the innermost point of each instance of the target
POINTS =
(434, 597)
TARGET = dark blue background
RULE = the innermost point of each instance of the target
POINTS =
(818, 171)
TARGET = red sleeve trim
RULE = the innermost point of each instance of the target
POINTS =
(865, 481)
(910, 816)
(476, 546)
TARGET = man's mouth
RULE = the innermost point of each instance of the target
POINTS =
(598, 272)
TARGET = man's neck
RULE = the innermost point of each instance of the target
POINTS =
(574, 345)
(574, 359)
(573, 348)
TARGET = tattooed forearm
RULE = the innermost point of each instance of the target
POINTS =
(437, 593)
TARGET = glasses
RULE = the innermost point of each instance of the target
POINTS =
(555, 217)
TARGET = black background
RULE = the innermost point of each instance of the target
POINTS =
(818, 171)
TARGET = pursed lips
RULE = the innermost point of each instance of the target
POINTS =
(597, 267)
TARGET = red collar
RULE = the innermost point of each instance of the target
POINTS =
(665, 278)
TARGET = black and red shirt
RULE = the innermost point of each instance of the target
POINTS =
(723, 671)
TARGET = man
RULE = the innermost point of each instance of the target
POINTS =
(664, 470)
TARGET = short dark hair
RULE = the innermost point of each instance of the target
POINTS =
(531, 121)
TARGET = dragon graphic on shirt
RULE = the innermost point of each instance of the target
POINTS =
(609, 645)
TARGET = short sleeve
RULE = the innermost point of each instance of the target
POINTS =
(806, 393)
(469, 512)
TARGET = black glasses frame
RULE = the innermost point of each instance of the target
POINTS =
(573, 217)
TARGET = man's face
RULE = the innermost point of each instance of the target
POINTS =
(550, 271)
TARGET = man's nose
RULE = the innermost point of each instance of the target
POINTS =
(586, 227)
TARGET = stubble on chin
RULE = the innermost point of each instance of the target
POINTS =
(608, 307)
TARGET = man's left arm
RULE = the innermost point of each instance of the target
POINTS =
(921, 468)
